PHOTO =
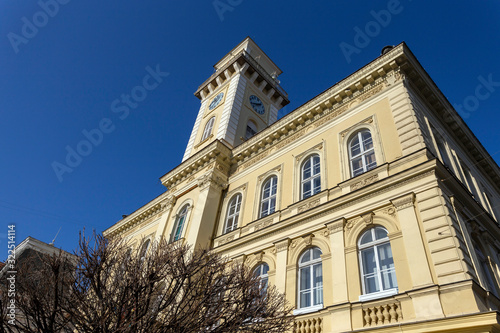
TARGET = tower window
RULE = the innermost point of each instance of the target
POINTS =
(208, 129)
(251, 129)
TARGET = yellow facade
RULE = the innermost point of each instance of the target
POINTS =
(378, 174)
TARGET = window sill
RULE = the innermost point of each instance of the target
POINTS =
(309, 309)
(377, 295)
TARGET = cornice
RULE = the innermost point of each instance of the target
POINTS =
(155, 207)
(200, 160)
(420, 81)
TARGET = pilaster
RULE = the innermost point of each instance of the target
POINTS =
(339, 277)
(281, 248)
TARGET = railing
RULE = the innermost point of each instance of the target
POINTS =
(311, 325)
(382, 315)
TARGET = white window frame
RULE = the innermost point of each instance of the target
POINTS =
(374, 244)
(263, 276)
(363, 153)
(208, 129)
(310, 180)
(233, 219)
(144, 249)
(178, 228)
(310, 266)
(269, 199)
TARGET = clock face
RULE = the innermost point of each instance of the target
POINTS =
(216, 101)
(257, 104)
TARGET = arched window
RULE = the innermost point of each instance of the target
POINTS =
(233, 212)
(486, 269)
(144, 249)
(251, 129)
(361, 153)
(261, 272)
(180, 220)
(311, 177)
(208, 128)
(377, 265)
(268, 199)
(310, 279)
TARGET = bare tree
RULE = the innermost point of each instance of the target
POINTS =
(169, 289)
(42, 287)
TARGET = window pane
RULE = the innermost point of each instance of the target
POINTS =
(389, 279)
(306, 190)
(355, 149)
(317, 275)
(306, 257)
(357, 164)
(367, 140)
(380, 233)
(368, 258)
(305, 299)
(305, 278)
(317, 185)
(371, 284)
(272, 205)
(370, 160)
(366, 238)
(265, 268)
(306, 170)
(265, 208)
(274, 186)
(316, 165)
(385, 256)
(316, 253)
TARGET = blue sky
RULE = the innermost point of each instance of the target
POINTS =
(61, 72)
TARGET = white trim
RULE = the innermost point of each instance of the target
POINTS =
(309, 309)
(377, 295)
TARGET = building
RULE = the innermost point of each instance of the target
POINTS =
(372, 206)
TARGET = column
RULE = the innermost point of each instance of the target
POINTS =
(281, 262)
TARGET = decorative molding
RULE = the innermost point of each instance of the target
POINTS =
(282, 245)
(403, 202)
(391, 211)
(212, 180)
(368, 218)
(308, 239)
(308, 205)
(226, 240)
(336, 226)
(364, 182)
(263, 224)
(351, 223)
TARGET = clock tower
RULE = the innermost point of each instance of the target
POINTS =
(241, 98)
